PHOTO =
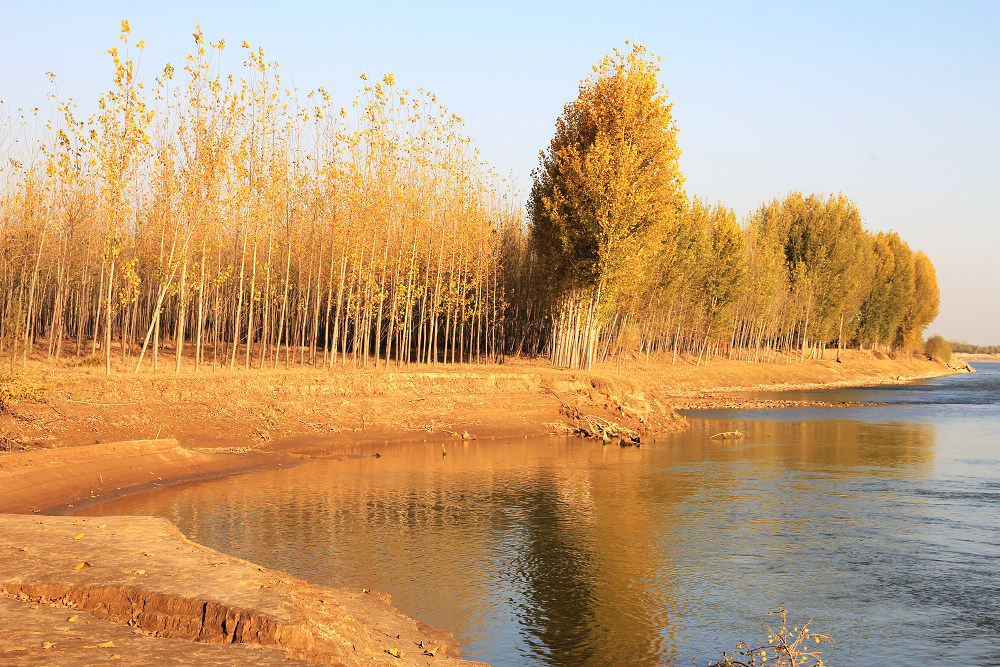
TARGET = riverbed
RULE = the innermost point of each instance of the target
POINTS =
(880, 523)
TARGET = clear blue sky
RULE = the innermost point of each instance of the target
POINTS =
(895, 104)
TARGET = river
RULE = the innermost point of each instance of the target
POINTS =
(882, 524)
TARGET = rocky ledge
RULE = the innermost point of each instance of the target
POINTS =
(89, 590)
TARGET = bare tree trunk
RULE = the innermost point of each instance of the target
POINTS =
(181, 310)
(284, 302)
(201, 312)
(239, 305)
(840, 337)
(266, 306)
(250, 300)
(107, 320)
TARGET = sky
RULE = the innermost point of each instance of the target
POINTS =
(896, 105)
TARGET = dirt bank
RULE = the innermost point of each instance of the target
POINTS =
(961, 356)
(57, 429)
(270, 409)
(77, 591)
(58, 434)
(731, 384)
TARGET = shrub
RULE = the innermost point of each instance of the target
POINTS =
(91, 360)
(797, 647)
(938, 349)
(16, 390)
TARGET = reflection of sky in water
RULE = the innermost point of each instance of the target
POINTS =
(881, 522)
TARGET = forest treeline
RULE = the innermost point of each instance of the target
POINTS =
(967, 348)
(224, 220)
(635, 265)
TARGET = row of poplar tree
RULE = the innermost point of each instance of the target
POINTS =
(226, 222)
(635, 266)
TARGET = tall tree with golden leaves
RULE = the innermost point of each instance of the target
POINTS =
(926, 300)
(121, 146)
(606, 190)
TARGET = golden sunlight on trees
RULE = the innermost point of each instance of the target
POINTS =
(607, 190)
(231, 220)
(924, 306)
(824, 248)
(228, 220)
(632, 267)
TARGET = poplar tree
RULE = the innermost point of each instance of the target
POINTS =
(891, 291)
(824, 247)
(606, 190)
(227, 219)
(926, 299)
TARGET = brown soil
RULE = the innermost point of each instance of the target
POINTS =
(308, 409)
(725, 384)
(77, 591)
(72, 435)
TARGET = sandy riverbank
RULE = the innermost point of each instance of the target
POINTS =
(63, 406)
(89, 591)
(77, 436)
(213, 423)
(963, 357)
(59, 439)
(81, 435)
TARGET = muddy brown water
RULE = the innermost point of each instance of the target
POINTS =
(881, 523)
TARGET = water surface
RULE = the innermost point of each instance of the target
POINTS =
(882, 523)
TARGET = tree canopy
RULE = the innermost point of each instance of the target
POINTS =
(608, 191)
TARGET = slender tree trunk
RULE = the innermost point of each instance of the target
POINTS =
(266, 307)
(250, 300)
(107, 321)
(239, 304)
(29, 322)
(181, 311)
(840, 337)
(98, 303)
(284, 302)
(201, 311)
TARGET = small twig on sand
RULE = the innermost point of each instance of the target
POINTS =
(559, 398)
(54, 409)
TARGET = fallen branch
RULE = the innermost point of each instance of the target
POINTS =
(102, 405)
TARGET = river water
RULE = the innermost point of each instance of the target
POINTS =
(880, 523)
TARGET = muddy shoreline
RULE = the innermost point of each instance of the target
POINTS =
(83, 438)
(65, 449)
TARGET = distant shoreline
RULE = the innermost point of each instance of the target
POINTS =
(976, 357)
